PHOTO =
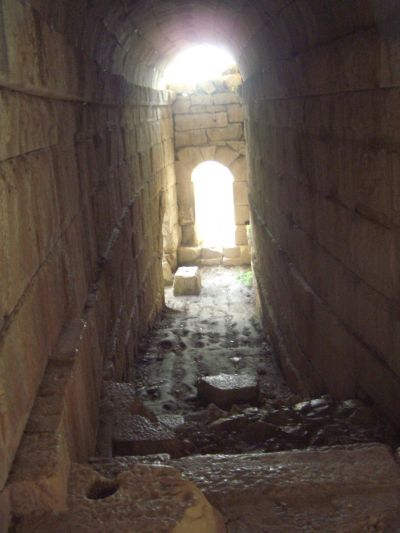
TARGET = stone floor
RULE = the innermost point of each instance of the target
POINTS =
(168, 460)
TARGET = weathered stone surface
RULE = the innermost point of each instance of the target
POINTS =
(208, 87)
(190, 138)
(242, 214)
(226, 155)
(240, 192)
(167, 273)
(245, 254)
(189, 235)
(343, 489)
(226, 98)
(134, 434)
(131, 498)
(241, 235)
(5, 511)
(234, 261)
(227, 389)
(211, 253)
(235, 113)
(230, 133)
(211, 262)
(200, 121)
(231, 252)
(187, 281)
(181, 105)
(188, 255)
(130, 427)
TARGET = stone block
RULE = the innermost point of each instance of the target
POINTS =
(208, 87)
(200, 121)
(131, 497)
(231, 132)
(197, 109)
(208, 152)
(226, 389)
(211, 262)
(226, 98)
(234, 261)
(185, 193)
(201, 99)
(241, 235)
(242, 215)
(186, 215)
(235, 113)
(231, 252)
(226, 155)
(134, 434)
(190, 138)
(181, 105)
(187, 281)
(245, 255)
(215, 108)
(190, 156)
(240, 193)
(189, 235)
(167, 273)
(211, 253)
(188, 255)
(239, 168)
(336, 489)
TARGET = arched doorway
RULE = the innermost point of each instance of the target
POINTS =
(214, 206)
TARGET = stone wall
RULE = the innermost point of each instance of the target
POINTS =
(84, 157)
(209, 126)
(324, 159)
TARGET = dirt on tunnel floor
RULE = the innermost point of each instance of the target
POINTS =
(215, 332)
(219, 332)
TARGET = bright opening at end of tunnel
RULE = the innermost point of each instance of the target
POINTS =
(213, 192)
(199, 63)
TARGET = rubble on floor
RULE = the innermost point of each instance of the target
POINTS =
(277, 425)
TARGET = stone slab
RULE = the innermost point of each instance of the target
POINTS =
(187, 281)
(226, 389)
(133, 428)
(334, 489)
(138, 497)
(188, 255)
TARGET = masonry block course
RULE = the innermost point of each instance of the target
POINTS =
(200, 142)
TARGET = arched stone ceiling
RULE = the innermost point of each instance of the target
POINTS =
(137, 38)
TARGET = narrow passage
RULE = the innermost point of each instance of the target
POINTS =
(218, 332)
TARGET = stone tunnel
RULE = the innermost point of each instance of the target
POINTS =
(87, 172)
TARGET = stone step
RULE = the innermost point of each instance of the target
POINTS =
(123, 496)
(128, 427)
(352, 489)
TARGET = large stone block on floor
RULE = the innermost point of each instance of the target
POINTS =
(227, 389)
(128, 427)
(187, 281)
(330, 490)
(137, 435)
(131, 498)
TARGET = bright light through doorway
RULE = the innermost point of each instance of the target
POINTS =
(213, 190)
(199, 63)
